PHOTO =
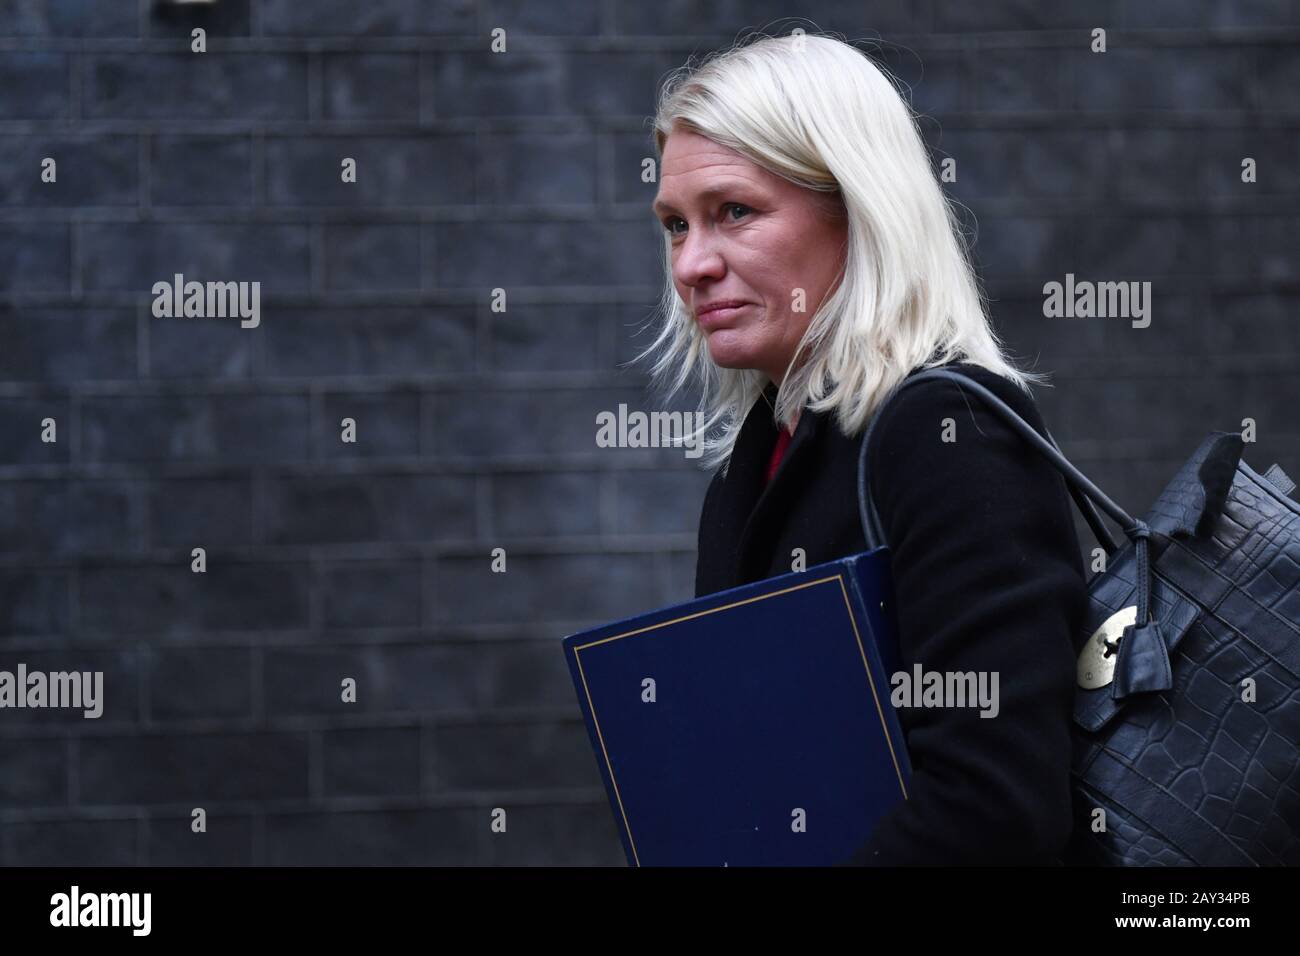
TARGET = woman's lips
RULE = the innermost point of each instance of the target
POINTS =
(717, 318)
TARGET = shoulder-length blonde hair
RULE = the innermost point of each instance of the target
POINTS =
(820, 113)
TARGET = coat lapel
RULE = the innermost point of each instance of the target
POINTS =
(765, 504)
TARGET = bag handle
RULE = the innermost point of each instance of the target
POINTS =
(1143, 662)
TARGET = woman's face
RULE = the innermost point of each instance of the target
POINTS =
(742, 234)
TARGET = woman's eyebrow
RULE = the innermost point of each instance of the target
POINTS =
(661, 206)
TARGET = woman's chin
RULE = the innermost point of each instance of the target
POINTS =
(727, 352)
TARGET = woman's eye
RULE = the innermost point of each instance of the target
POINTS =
(668, 223)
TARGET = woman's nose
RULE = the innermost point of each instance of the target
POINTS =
(698, 258)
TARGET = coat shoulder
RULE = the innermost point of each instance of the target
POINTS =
(919, 404)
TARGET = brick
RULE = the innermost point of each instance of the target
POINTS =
(371, 594)
(689, 19)
(133, 256)
(1271, 149)
(369, 86)
(659, 501)
(187, 683)
(489, 255)
(560, 420)
(230, 18)
(1020, 79)
(21, 430)
(630, 151)
(201, 170)
(119, 702)
(193, 86)
(1254, 13)
(1169, 78)
(425, 837)
(172, 600)
(382, 257)
(391, 171)
(534, 169)
(200, 512)
(1139, 408)
(1275, 257)
(218, 350)
(943, 81)
(535, 756)
(1176, 320)
(99, 842)
(365, 762)
(36, 772)
(69, 18)
(71, 517)
(36, 86)
(1166, 14)
(526, 674)
(368, 341)
(204, 769)
(681, 577)
(335, 509)
(171, 841)
(1170, 165)
(1215, 14)
(64, 346)
(400, 678)
(1130, 248)
(1012, 164)
(33, 601)
(90, 171)
(535, 505)
(387, 425)
(215, 428)
(559, 835)
(561, 18)
(525, 84)
(554, 337)
(37, 256)
(537, 588)
(1034, 247)
(1270, 399)
(635, 327)
(377, 18)
(1019, 15)
(1260, 324)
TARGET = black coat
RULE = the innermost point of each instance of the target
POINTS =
(988, 576)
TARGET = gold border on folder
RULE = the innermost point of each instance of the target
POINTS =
(653, 627)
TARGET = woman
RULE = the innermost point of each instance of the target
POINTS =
(814, 264)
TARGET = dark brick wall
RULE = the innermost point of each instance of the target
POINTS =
(519, 171)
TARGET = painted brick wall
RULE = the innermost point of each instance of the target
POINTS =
(518, 171)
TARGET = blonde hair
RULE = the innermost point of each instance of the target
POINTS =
(820, 113)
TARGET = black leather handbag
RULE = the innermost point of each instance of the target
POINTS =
(1186, 731)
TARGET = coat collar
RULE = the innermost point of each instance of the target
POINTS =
(754, 505)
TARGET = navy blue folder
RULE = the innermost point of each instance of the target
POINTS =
(770, 739)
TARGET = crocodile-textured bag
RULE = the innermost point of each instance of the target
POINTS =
(1186, 728)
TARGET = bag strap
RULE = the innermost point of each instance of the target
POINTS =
(1081, 488)
(1143, 662)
